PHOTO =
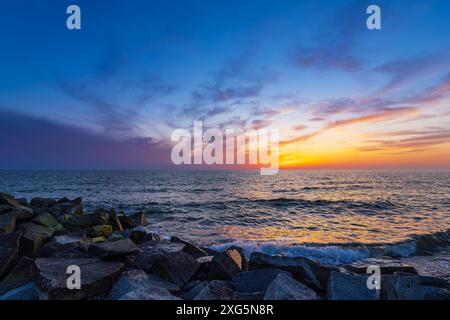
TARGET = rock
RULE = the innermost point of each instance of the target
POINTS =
(97, 276)
(190, 248)
(178, 267)
(204, 268)
(5, 208)
(242, 253)
(25, 292)
(104, 230)
(71, 240)
(195, 291)
(152, 294)
(284, 287)
(42, 202)
(8, 200)
(255, 281)
(84, 221)
(134, 280)
(343, 286)
(226, 264)
(150, 250)
(114, 221)
(68, 208)
(249, 296)
(22, 213)
(216, 290)
(433, 293)
(22, 201)
(386, 265)
(133, 220)
(34, 237)
(140, 235)
(113, 249)
(302, 269)
(46, 220)
(19, 276)
(394, 287)
(9, 252)
(56, 250)
(7, 222)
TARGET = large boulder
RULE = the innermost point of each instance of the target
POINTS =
(54, 249)
(386, 265)
(34, 237)
(25, 292)
(284, 287)
(9, 252)
(255, 281)
(178, 267)
(133, 220)
(395, 287)
(7, 222)
(155, 293)
(97, 276)
(150, 250)
(113, 249)
(135, 280)
(302, 269)
(114, 220)
(6, 199)
(103, 230)
(83, 221)
(226, 264)
(140, 235)
(46, 220)
(433, 293)
(190, 248)
(22, 213)
(195, 290)
(19, 276)
(216, 290)
(342, 286)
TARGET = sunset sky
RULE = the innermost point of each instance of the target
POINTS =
(108, 96)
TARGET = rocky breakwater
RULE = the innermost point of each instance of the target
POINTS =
(120, 259)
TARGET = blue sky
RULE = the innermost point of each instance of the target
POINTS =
(139, 69)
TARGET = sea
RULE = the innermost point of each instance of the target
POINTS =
(332, 216)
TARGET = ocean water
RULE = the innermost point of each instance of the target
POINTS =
(329, 214)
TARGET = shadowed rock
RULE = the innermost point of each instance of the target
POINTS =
(343, 286)
(178, 267)
(255, 281)
(394, 287)
(25, 292)
(216, 290)
(386, 265)
(284, 287)
(140, 235)
(113, 249)
(19, 276)
(34, 237)
(190, 248)
(150, 250)
(7, 222)
(9, 252)
(97, 276)
(226, 264)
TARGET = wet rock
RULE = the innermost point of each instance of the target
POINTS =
(386, 265)
(113, 249)
(7, 222)
(226, 264)
(140, 235)
(343, 286)
(104, 230)
(394, 287)
(433, 293)
(216, 290)
(8, 200)
(190, 248)
(302, 269)
(178, 267)
(284, 287)
(97, 276)
(22, 213)
(9, 252)
(133, 220)
(255, 281)
(134, 280)
(19, 276)
(34, 237)
(56, 250)
(150, 250)
(25, 292)
(46, 220)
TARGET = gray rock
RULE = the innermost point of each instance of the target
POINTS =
(56, 250)
(195, 291)
(25, 292)
(216, 290)
(22, 213)
(151, 294)
(133, 220)
(386, 265)
(8, 200)
(104, 230)
(42, 202)
(5, 208)
(190, 248)
(394, 287)
(34, 237)
(140, 235)
(343, 286)
(249, 296)
(135, 280)
(150, 250)
(113, 249)
(226, 264)
(97, 276)
(178, 267)
(19, 276)
(9, 252)
(46, 220)
(284, 287)
(255, 281)
(433, 293)
(302, 269)
(7, 222)
(114, 221)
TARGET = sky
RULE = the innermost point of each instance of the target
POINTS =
(110, 95)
